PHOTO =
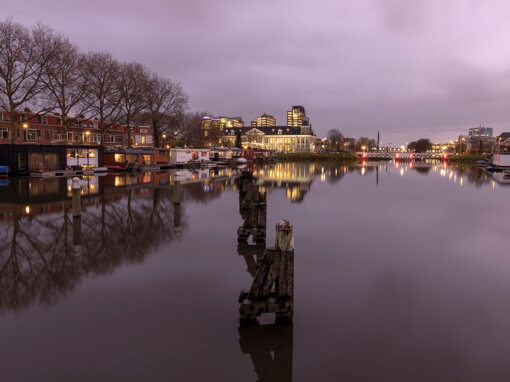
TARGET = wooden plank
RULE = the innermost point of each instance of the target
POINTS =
(266, 275)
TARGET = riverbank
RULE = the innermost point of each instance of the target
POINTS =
(466, 158)
(322, 157)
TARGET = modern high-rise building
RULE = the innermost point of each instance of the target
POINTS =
(210, 122)
(480, 132)
(231, 122)
(297, 118)
(264, 120)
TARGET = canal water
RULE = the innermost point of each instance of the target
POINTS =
(402, 273)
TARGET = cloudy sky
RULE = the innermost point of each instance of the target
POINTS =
(408, 68)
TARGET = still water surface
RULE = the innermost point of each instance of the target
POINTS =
(401, 274)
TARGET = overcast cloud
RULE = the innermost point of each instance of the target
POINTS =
(408, 68)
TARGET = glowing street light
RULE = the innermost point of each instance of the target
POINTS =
(25, 125)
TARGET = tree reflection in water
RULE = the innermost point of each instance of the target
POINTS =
(45, 255)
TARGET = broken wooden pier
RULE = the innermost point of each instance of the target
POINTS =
(272, 290)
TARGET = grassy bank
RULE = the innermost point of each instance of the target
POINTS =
(465, 158)
(326, 157)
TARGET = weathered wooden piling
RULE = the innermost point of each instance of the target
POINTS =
(177, 196)
(177, 207)
(177, 218)
(76, 196)
(253, 209)
(272, 290)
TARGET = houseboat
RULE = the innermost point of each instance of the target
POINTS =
(129, 159)
(50, 160)
(162, 157)
(4, 171)
(187, 156)
(499, 159)
(225, 154)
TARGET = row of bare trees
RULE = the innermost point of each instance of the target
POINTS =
(43, 72)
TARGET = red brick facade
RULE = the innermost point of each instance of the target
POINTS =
(46, 130)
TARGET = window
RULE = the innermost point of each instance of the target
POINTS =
(279, 131)
(5, 133)
(71, 153)
(163, 153)
(120, 158)
(70, 137)
(32, 135)
(143, 139)
(47, 135)
(58, 136)
(82, 153)
(39, 161)
(143, 131)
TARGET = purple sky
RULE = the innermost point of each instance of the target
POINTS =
(411, 69)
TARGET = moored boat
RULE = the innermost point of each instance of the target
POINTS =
(4, 171)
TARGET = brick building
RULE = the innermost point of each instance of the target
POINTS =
(46, 130)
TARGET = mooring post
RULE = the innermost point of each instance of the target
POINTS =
(285, 251)
(272, 290)
(177, 199)
(76, 197)
(177, 218)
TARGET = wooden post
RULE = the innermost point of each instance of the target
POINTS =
(76, 189)
(276, 270)
(177, 218)
(285, 251)
(177, 199)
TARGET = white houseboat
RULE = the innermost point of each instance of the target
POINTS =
(500, 158)
(184, 156)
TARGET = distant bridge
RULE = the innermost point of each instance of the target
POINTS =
(402, 156)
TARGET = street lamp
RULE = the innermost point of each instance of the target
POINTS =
(25, 125)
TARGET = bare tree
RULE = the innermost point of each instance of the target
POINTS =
(191, 128)
(134, 82)
(65, 83)
(335, 138)
(103, 96)
(24, 54)
(166, 102)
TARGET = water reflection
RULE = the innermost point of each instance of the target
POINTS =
(126, 216)
(270, 346)
(445, 264)
(45, 252)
